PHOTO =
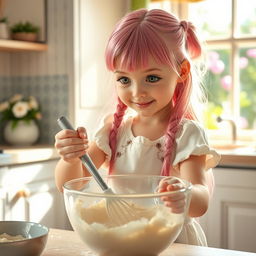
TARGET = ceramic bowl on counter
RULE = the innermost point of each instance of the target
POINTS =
(22, 238)
(149, 228)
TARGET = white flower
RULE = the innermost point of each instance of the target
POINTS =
(16, 97)
(20, 109)
(33, 103)
(4, 106)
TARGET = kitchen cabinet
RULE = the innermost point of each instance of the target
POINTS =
(29, 193)
(3, 196)
(230, 222)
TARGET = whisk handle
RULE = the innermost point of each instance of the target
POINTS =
(86, 160)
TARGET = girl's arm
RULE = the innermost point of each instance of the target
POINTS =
(193, 170)
(71, 145)
(65, 171)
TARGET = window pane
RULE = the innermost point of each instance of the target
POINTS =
(246, 18)
(164, 5)
(212, 18)
(218, 86)
(247, 87)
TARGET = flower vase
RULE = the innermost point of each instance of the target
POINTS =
(24, 134)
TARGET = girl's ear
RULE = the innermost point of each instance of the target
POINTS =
(184, 71)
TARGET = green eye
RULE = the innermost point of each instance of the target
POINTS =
(152, 79)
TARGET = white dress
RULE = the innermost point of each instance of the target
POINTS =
(142, 156)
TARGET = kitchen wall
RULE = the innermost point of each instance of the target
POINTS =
(93, 86)
(46, 75)
(15, 11)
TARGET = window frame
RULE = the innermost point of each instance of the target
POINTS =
(234, 43)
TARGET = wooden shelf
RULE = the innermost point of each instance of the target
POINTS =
(14, 45)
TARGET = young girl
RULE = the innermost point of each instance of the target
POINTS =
(150, 54)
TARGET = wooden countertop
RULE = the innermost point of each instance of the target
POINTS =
(237, 155)
(237, 160)
(67, 243)
(26, 155)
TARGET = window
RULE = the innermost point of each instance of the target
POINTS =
(229, 28)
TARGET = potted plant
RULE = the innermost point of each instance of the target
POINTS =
(4, 33)
(24, 31)
(20, 115)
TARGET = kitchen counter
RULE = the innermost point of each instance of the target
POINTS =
(238, 155)
(66, 243)
(239, 158)
(26, 155)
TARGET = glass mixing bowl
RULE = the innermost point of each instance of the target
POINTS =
(149, 228)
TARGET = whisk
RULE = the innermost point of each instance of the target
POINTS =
(119, 211)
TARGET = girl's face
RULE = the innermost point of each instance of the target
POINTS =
(149, 90)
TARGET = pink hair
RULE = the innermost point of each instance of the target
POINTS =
(118, 117)
(159, 34)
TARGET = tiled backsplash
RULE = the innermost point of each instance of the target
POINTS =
(51, 92)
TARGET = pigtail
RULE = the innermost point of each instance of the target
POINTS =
(180, 110)
(118, 117)
(192, 44)
(169, 146)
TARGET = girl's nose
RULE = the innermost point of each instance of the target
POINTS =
(138, 90)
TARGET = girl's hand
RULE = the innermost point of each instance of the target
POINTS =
(176, 201)
(71, 145)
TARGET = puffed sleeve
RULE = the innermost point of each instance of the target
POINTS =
(192, 140)
(101, 138)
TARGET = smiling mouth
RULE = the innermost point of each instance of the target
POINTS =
(143, 104)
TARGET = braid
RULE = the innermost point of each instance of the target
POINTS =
(169, 146)
(180, 110)
(118, 117)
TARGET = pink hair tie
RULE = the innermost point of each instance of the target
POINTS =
(184, 24)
